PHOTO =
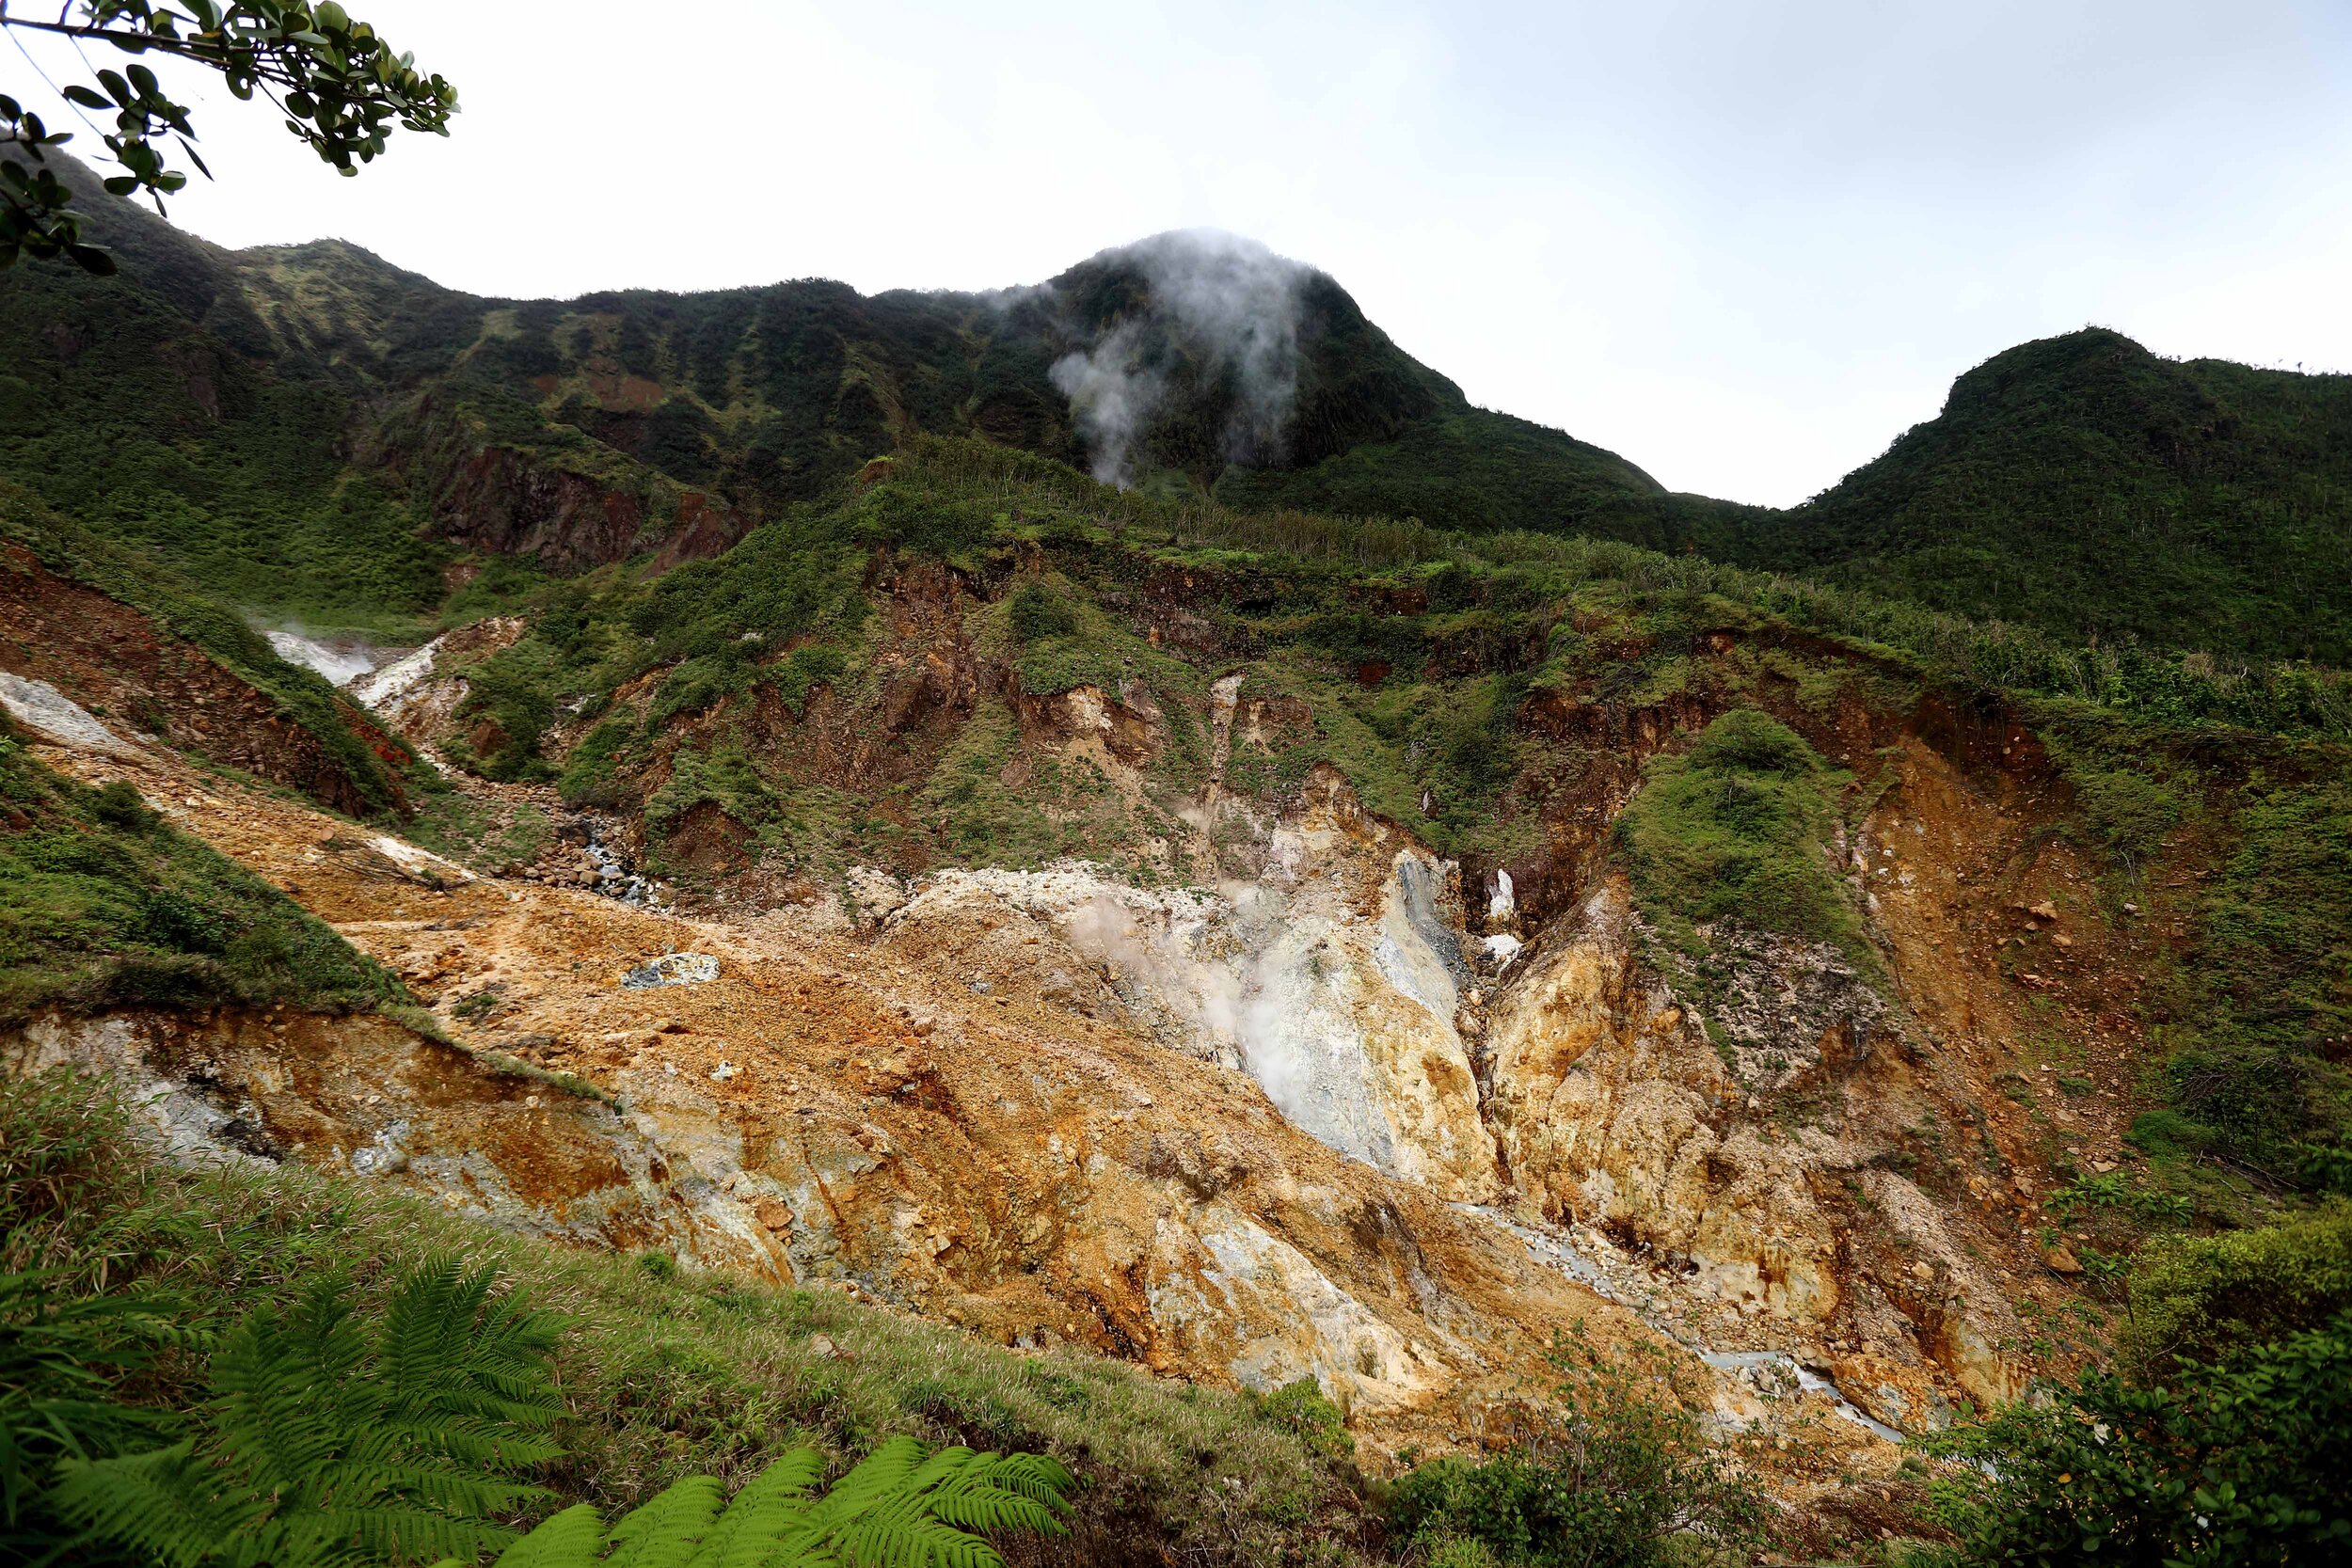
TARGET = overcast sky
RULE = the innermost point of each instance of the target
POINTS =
(1743, 244)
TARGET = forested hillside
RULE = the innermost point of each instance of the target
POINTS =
(318, 434)
(2083, 484)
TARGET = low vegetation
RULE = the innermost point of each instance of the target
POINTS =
(149, 1306)
(180, 607)
(1613, 1471)
(1738, 827)
(2225, 1440)
(2267, 995)
(2195, 1298)
(102, 903)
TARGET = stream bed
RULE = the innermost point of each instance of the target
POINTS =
(1558, 1249)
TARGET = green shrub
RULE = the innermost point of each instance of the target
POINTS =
(586, 778)
(1457, 1552)
(1738, 829)
(1613, 1472)
(2201, 1298)
(2168, 1132)
(104, 904)
(809, 666)
(1301, 1409)
(1037, 611)
(2127, 813)
(2239, 1462)
(119, 804)
(1746, 741)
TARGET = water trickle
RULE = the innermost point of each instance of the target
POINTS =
(1558, 1248)
(1807, 1379)
(614, 877)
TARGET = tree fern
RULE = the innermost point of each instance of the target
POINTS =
(904, 1507)
(325, 1445)
(59, 1357)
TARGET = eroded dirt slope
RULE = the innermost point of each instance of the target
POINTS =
(949, 1108)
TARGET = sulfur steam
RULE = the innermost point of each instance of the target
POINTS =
(1231, 306)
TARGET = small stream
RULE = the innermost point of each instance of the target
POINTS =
(1557, 1248)
(1808, 1381)
(378, 678)
(614, 879)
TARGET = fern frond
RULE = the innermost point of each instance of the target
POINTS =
(902, 1508)
(875, 1478)
(273, 1407)
(379, 1534)
(571, 1539)
(1037, 1476)
(325, 1444)
(987, 1509)
(901, 1534)
(665, 1532)
(769, 1509)
(459, 1494)
(160, 1505)
(450, 1350)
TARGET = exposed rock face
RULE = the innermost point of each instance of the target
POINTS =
(1331, 979)
(1289, 1120)
(102, 654)
(1611, 1106)
(926, 1111)
(370, 1098)
(1735, 1163)
(499, 499)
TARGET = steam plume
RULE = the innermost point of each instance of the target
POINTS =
(1232, 305)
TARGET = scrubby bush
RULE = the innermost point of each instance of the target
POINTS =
(1301, 1409)
(1746, 741)
(2240, 1461)
(2126, 813)
(104, 904)
(119, 804)
(2199, 1298)
(1036, 613)
(1614, 1471)
(1738, 829)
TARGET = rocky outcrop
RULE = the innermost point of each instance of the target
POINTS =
(371, 1098)
(571, 509)
(1730, 1146)
(509, 502)
(952, 1113)
(145, 680)
(1333, 978)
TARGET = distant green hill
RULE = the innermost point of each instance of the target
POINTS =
(310, 430)
(2083, 484)
(313, 432)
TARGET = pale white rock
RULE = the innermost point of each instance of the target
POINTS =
(54, 717)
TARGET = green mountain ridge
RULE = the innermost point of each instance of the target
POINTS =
(311, 430)
(2086, 486)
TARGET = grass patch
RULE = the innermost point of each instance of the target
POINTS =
(182, 609)
(104, 904)
(1738, 829)
(665, 1372)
